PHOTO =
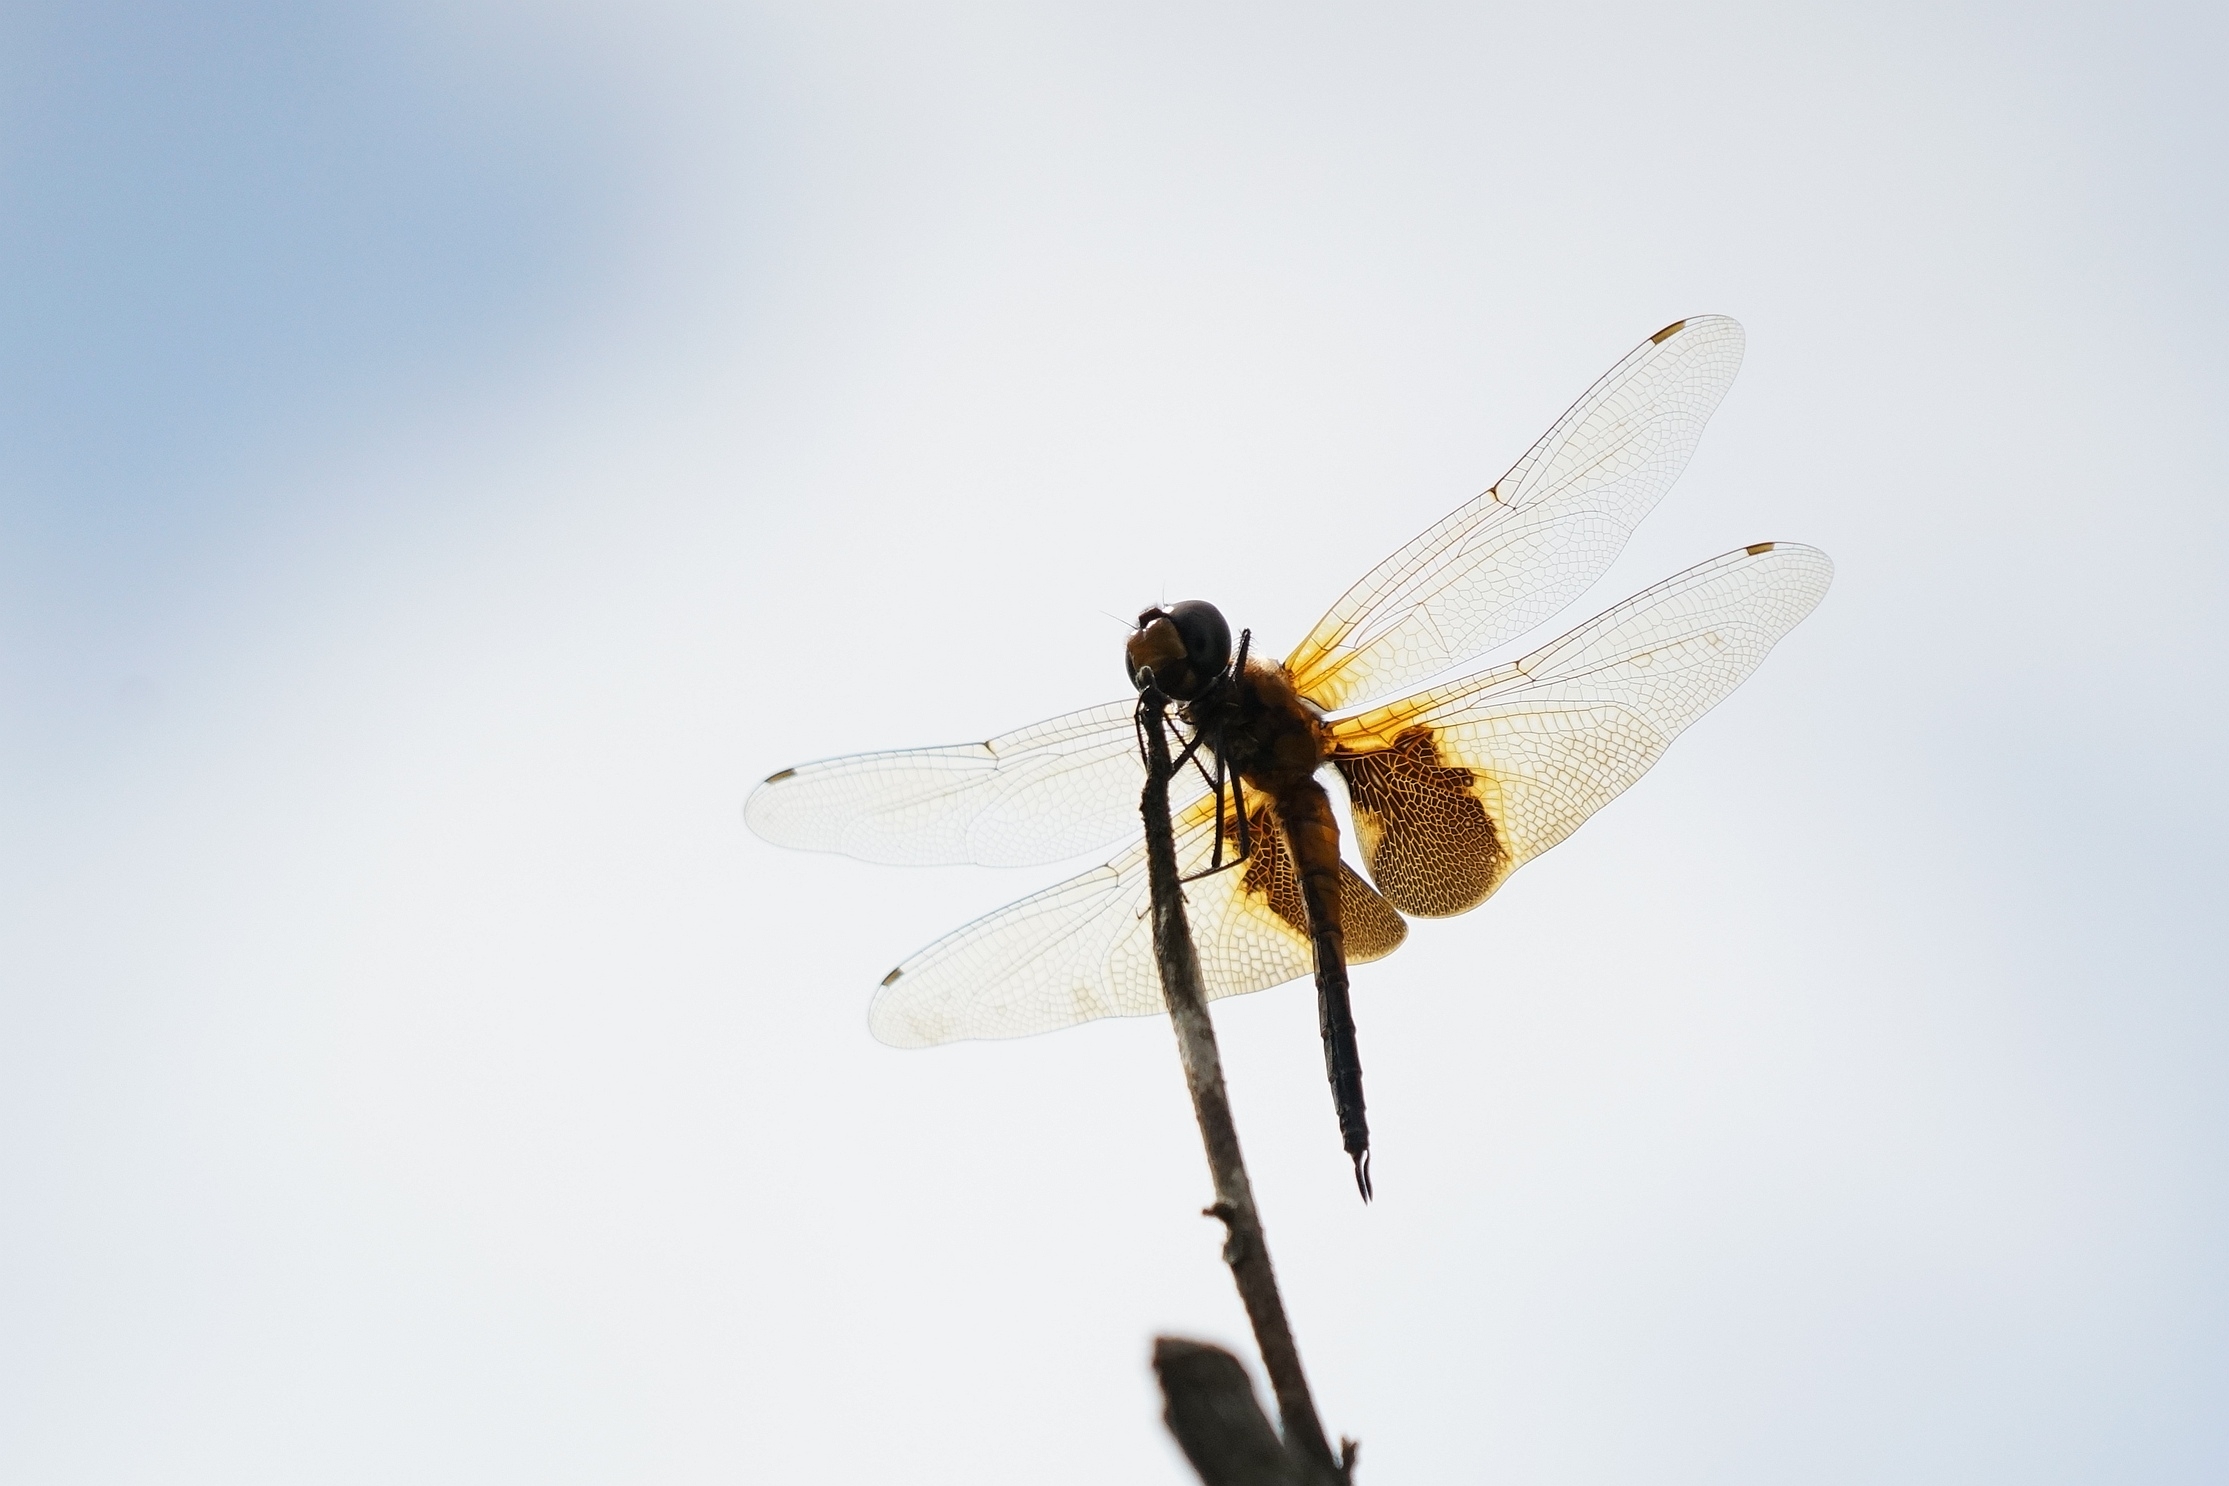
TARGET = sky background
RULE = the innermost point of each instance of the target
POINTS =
(448, 453)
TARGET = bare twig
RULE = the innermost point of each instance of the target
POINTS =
(1244, 1249)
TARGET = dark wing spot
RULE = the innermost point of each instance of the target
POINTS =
(1269, 868)
(778, 778)
(1760, 547)
(893, 975)
(1430, 845)
(1373, 930)
(1667, 333)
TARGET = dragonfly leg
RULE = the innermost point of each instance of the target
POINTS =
(1137, 718)
(1215, 856)
(1238, 807)
(1215, 862)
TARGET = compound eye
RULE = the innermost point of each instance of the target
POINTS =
(1207, 637)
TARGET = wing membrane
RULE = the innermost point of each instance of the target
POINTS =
(1038, 794)
(1536, 540)
(1458, 786)
(1084, 948)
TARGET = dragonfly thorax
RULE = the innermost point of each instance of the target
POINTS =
(1261, 727)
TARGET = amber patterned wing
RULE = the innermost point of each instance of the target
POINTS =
(1515, 556)
(1084, 948)
(1456, 787)
(1038, 794)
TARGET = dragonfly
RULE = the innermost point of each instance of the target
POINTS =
(1450, 784)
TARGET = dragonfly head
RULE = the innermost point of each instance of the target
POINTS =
(1184, 647)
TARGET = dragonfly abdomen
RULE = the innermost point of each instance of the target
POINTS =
(1311, 833)
(1271, 738)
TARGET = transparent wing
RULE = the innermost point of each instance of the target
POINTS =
(1456, 787)
(1515, 556)
(1084, 948)
(1038, 794)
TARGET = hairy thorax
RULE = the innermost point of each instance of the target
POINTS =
(1262, 729)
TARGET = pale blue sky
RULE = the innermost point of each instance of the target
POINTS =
(232, 234)
(448, 454)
